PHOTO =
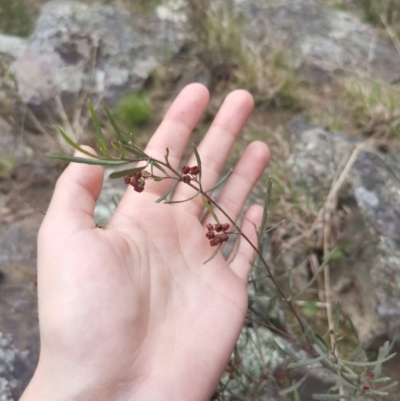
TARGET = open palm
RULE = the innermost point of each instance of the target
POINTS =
(131, 312)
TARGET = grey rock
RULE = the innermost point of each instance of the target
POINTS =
(8, 357)
(11, 46)
(78, 48)
(374, 181)
(319, 36)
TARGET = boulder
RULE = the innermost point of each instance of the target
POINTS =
(374, 186)
(79, 49)
(11, 47)
(319, 36)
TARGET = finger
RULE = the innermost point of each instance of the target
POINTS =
(216, 146)
(241, 182)
(75, 195)
(244, 259)
(174, 132)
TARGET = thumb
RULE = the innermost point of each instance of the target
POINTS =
(75, 196)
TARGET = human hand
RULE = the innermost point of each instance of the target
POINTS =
(130, 312)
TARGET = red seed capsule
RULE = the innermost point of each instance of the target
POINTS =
(218, 228)
(370, 373)
(185, 169)
(224, 237)
(127, 179)
(186, 179)
(209, 227)
(194, 170)
(366, 386)
(139, 189)
(225, 226)
(137, 176)
(215, 241)
(210, 235)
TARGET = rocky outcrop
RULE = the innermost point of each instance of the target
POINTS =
(79, 49)
(320, 36)
(317, 156)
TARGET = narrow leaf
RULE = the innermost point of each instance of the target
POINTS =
(236, 250)
(119, 149)
(294, 386)
(213, 255)
(198, 160)
(360, 348)
(123, 173)
(101, 162)
(74, 145)
(318, 272)
(156, 165)
(102, 142)
(336, 397)
(267, 200)
(113, 123)
(380, 361)
(165, 196)
(209, 208)
(318, 340)
(221, 181)
(135, 151)
(184, 200)
(302, 364)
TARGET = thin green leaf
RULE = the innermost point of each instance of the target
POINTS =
(380, 361)
(156, 165)
(353, 329)
(382, 380)
(302, 364)
(285, 351)
(113, 123)
(389, 386)
(318, 340)
(209, 208)
(198, 160)
(74, 145)
(119, 149)
(378, 392)
(123, 173)
(41, 212)
(236, 250)
(184, 200)
(336, 315)
(135, 151)
(221, 181)
(311, 282)
(360, 348)
(213, 255)
(267, 200)
(101, 162)
(165, 196)
(336, 397)
(271, 305)
(383, 352)
(102, 143)
(294, 386)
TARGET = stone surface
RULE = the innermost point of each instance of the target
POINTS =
(78, 48)
(374, 181)
(11, 46)
(320, 36)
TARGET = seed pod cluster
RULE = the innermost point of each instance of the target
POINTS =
(217, 233)
(137, 181)
(189, 173)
